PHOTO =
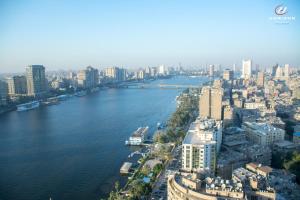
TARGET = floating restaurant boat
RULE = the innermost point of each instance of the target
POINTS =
(138, 136)
(28, 106)
(125, 168)
(50, 101)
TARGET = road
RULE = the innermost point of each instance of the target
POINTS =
(159, 191)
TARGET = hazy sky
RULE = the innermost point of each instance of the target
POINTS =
(63, 34)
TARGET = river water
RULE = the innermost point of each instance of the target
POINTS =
(74, 150)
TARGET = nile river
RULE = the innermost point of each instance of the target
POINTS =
(74, 150)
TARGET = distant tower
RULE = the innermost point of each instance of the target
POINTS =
(211, 70)
(247, 69)
(274, 69)
(234, 68)
(279, 72)
(228, 74)
(287, 70)
(260, 79)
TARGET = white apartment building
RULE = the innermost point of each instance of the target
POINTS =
(201, 144)
(263, 133)
(247, 69)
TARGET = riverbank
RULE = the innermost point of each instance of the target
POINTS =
(145, 177)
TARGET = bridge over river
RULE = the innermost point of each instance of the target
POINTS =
(161, 86)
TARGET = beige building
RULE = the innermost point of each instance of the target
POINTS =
(260, 79)
(115, 74)
(191, 187)
(259, 169)
(210, 104)
(17, 85)
(88, 78)
(228, 74)
(263, 133)
(228, 115)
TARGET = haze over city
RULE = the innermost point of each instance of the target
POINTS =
(133, 34)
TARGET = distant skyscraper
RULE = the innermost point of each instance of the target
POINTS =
(17, 85)
(210, 104)
(141, 74)
(3, 93)
(161, 70)
(279, 72)
(36, 80)
(247, 69)
(260, 79)
(153, 71)
(115, 74)
(234, 68)
(228, 74)
(211, 70)
(287, 70)
(88, 78)
(274, 69)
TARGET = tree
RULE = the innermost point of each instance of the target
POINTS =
(160, 137)
(293, 164)
(115, 194)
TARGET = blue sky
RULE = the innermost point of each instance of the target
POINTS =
(62, 34)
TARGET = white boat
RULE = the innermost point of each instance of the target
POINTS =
(138, 136)
(28, 106)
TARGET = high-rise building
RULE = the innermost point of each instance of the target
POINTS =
(204, 102)
(3, 93)
(228, 74)
(201, 144)
(287, 70)
(17, 85)
(153, 71)
(116, 74)
(210, 104)
(279, 72)
(161, 70)
(141, 74)
(274, 69)
(260, 79)
(216, 103)
(234, 68)
(211, 70)
(36, 80)
(247, 69)
(88, 78)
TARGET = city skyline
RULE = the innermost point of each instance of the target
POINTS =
(68, 35)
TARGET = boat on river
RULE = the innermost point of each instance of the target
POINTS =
(28, 106)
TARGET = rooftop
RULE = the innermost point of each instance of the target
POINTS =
(194, 138)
